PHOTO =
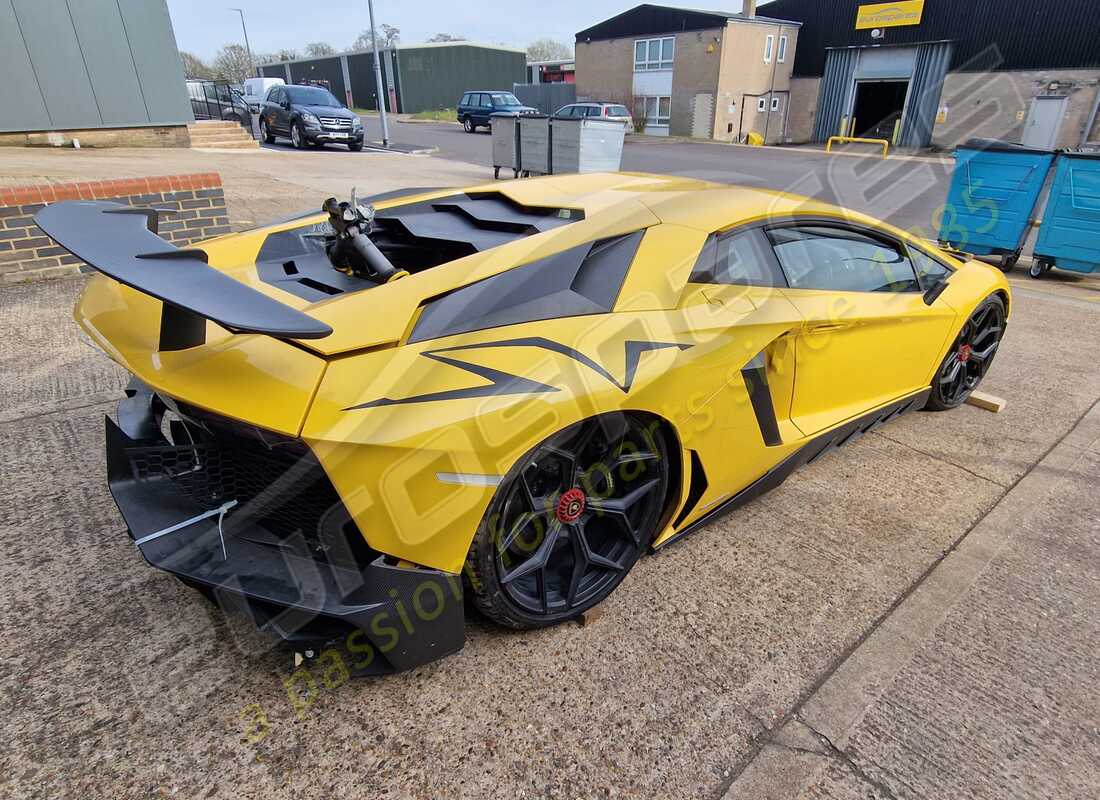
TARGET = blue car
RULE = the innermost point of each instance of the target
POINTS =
(474, 108)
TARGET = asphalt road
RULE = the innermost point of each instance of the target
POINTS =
(905, 192)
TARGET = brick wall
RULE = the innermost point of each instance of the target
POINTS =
(146, 136)
(195, 207)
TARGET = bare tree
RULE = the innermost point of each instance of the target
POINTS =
(286, 54)
(446, 37)
(388, 36)
(548, 50)
(232, 64)
(194, 67)
(319, 49)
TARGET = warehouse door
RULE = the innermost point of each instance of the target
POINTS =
(1044, 122)
(877, 111)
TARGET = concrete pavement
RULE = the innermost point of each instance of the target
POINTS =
(119, 682)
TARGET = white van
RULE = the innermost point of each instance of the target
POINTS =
(255, 91)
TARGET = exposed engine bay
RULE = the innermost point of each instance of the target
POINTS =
(359, 248)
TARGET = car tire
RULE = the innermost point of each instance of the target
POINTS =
(970, 356)
(569, 520)
(356, 148)
(298, 136)
(265, 132)
(468, 125)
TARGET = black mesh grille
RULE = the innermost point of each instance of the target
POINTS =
(277, 481)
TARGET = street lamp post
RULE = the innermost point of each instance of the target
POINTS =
(247, 46)
(379, 89)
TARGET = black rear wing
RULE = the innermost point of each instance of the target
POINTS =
(121, 242)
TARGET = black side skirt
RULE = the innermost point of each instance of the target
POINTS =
(806, 454)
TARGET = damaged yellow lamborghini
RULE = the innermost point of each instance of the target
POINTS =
(347, 424)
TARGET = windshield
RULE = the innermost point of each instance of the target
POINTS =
(505, 99)
(311, 96)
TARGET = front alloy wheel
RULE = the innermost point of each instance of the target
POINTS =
(297, 138)
(569, 521)
(969, 358)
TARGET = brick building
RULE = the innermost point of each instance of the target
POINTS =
(936, 72)
(706, 74)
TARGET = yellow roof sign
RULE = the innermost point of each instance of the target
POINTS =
(890, 15)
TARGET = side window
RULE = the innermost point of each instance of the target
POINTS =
(465, 101)
(929, 269)
(740, 259)
(486, 100)
(841, 259)
(592, 111)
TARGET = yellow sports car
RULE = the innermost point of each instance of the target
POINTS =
(346, 423)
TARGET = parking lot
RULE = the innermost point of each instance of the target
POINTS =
(941, 558)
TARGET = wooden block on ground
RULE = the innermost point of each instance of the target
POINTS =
(590, 616)
(987, 401)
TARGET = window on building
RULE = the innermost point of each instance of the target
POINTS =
(841, 259)
(761, 104)
(650, 54)
(781, 56)
(655, 110)
(775, 104)
(769, 46)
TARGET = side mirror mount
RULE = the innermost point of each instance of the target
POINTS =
(932, 293)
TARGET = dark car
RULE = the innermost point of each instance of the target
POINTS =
(310, 116)
(475, 107)
(218, 100)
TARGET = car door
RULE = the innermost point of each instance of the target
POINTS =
(273, 109)
(868, 337)
(744, 328)
(484, 108)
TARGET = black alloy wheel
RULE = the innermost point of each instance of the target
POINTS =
(969, 358)
(569, 521)
(468, 125)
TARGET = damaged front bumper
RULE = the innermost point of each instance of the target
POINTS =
(250, 519)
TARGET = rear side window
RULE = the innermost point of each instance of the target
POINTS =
(617, 111)
(740, 259)
(465, 101)
(841, 259)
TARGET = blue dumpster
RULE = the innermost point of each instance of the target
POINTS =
(1069, 237)
(993, 193)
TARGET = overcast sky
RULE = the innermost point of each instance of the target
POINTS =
(203, 26)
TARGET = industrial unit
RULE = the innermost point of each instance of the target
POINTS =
(706, 74)
(105, 72)
(937, 72)
(417, 77)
